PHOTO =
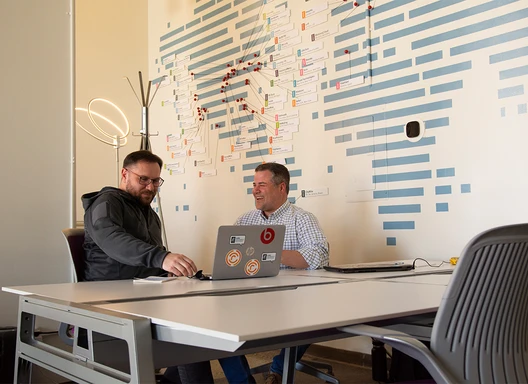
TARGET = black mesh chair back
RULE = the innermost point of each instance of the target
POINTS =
(480, 334)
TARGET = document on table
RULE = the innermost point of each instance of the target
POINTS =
(155, 279)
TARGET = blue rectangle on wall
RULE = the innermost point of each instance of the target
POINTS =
(398, 225)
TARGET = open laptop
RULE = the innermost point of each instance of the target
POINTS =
(244, 251)
(384, 266)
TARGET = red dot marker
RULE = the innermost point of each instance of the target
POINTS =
(346, 51)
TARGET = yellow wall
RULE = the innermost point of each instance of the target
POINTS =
(111, 42)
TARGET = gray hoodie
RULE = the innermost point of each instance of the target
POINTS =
(122, 236)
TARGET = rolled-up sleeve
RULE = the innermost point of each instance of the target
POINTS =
(313, 245)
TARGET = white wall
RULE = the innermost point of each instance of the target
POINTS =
(36, 107)
(111, 42)
(460, 68)
(447, 71)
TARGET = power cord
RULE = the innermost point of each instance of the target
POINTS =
(38, 333)
(429, 264)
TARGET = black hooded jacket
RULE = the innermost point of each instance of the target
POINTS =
(122, 237)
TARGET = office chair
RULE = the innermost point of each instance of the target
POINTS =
(75, 239)
(480, 333)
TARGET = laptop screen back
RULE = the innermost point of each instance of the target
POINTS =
(244, 251)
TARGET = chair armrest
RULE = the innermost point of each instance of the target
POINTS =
(406, 344)
(419, 332)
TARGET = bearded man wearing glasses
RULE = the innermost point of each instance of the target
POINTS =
(122, 231)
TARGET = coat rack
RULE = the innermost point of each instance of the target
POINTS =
(145, 104)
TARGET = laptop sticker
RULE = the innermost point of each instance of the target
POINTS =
(233, 257)
(252, 267)
(237, 240)
(267, 236)
(269, 256)
(250, 251)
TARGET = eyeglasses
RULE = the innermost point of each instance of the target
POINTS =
(144, 180)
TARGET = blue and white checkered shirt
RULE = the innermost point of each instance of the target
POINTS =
(303, 233)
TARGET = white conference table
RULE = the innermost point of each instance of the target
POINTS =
(125, 290)
(441, 279)
(277, 313)
(166, 324)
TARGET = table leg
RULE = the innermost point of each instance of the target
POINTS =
(379, 361)
(290, 359)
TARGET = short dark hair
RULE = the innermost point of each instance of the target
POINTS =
(279, 172)
(142, 155)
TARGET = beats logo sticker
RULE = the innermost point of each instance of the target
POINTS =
(267, 236)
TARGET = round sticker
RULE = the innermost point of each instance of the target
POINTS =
(250, 251)
(252, 267)
(233, 257)
(267, 236)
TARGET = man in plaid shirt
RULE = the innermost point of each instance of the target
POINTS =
(305, 245)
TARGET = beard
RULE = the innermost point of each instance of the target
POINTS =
(144, 197)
